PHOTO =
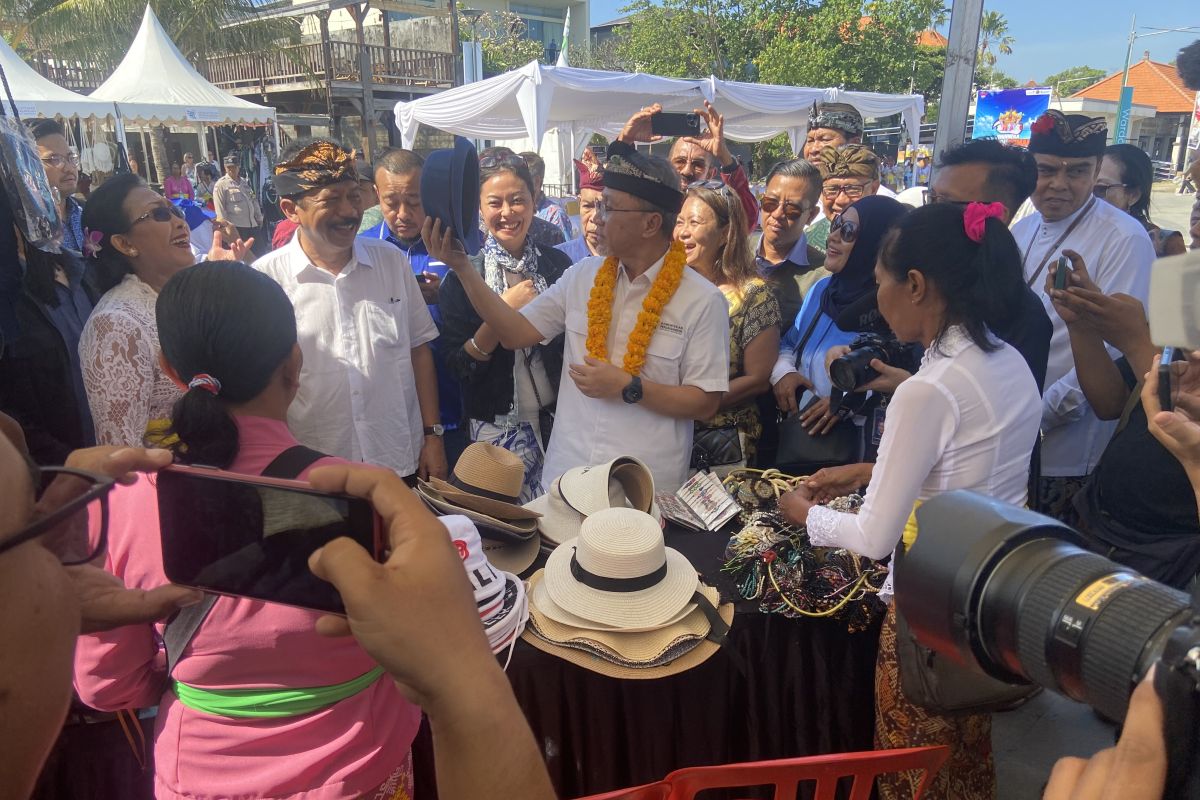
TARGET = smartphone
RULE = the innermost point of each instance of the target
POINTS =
(669, 124)
(1061, 272)
(422, 277)
(1166, 380)
(249, 536)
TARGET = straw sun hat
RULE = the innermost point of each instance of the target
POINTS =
(579, 492)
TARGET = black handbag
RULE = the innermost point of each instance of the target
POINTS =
(716, 447)
(801, 453)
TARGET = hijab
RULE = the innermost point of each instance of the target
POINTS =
(857, 279)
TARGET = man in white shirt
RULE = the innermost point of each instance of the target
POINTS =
(368, 389)
(1117, 253)
(606, 408)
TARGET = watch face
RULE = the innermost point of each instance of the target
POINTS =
(633, 392)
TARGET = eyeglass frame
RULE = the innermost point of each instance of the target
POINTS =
(491, 162)
(100, 488)
(170, 208)
(860, 187)
(603, 210)
(69, 158)
(932, 198)
(1100, 190)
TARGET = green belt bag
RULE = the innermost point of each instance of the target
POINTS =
(270, 703)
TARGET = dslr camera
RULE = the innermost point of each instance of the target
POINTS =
(853, 370)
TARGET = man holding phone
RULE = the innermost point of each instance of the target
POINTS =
(698, 157)
(1116, 252)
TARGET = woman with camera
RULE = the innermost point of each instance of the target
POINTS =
(967, 419)
(712, 227)
(509, 395)
(228, 336)
(853, 245)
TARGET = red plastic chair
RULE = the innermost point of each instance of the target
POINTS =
(786, 775)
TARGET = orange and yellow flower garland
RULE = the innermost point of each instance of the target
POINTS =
(600, 308)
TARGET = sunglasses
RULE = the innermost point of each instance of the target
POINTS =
(847, 228)
(712, 184)
(791, 211)
(491, 162)
(1101, 190)
(77, 531)
(160, 214)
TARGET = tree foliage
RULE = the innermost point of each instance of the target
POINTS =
(505, 46)
(992, 78)
(1073, 79)
(993, 38)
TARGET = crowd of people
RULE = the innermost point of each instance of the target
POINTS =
(682, 321)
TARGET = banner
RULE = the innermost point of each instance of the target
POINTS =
(1194, 137)
(1007, 115)
(1124, 110)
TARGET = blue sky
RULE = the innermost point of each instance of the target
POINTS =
(1052, 35)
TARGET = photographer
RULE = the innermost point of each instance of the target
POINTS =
(968, 419)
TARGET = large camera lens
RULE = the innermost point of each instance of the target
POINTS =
(1012, 593)
(852, 370)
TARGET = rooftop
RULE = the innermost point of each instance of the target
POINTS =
(1154, 84)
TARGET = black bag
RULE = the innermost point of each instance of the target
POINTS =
(801, 453)
(716, 447)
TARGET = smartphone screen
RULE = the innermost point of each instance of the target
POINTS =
(1166, 380)
(251, 537)
(666, 123)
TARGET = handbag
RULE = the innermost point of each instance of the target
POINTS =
(545, 413)
(716, 447)
(800, 452)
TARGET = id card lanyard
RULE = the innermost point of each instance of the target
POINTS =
(1050, 253)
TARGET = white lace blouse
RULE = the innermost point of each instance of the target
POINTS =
(967, 420)
(118, 353)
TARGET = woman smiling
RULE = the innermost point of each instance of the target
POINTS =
(509, 396)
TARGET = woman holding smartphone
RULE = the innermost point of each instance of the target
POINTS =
(967, 419)
(509, 395)
(228, 336)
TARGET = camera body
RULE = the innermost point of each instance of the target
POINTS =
(851, 371)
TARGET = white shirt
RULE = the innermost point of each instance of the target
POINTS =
(1118, 254)
(358, 397)
(967, 420)
(690, 347)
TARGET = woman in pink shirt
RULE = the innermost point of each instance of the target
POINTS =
(228, 333)
(177, 186)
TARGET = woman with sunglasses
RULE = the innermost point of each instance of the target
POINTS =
(229, 343)
(712, 227)
(1125, 180)
(508, 396)
(135, 240)
(853, 247)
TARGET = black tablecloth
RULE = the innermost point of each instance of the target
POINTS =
(780, 688)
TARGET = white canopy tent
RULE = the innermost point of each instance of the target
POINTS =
(155, 84)
(529, 101)
(36, 96)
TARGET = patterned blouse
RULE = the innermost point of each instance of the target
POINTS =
(755, 310)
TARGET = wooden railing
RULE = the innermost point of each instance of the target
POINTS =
(78, 77)
(305, 63)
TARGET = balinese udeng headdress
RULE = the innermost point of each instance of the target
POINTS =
(629, 174)
(836, 116)
(589, 179)
(319, 164)
(1068, 136)
(849, 161)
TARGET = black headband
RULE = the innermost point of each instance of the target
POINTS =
(469, 489)
(594, 581)
(666, 198)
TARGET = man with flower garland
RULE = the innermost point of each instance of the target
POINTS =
(647, 340)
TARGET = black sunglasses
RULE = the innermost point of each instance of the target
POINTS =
(847, 229)
(160, 214)
(491, 162)
(791, 211)
(71, 540)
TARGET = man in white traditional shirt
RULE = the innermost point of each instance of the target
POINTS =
(368, 389)
(656, 373)
(1116, 252)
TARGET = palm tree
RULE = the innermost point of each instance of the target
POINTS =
(993, 31)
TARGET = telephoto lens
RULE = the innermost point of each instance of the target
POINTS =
(1014, 594)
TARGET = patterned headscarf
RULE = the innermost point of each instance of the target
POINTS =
(836, 116)
(849, 161)
(319, 164)
(497, 261)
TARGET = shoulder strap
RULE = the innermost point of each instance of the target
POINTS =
(182, 627)
(808, 333)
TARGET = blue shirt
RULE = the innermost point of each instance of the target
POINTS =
(449, 389)
(577, 249)
(72, 226)
(811, 361)
(74, 308)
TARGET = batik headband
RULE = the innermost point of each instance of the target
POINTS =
(1073, 136)
(624, 175)
(317, 165)
(837, 116)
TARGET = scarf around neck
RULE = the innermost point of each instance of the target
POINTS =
(497, 261)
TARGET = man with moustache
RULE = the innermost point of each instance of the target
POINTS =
(368, 389)
(589, 241)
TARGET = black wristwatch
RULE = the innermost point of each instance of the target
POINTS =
(434, 430)
(633, 392)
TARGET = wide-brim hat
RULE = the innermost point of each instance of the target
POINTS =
(508, 555)
(622, 482)
(510, 530)
(450, 191)
(619, 572)
(548, 608)
(636, 655)
(501, 509)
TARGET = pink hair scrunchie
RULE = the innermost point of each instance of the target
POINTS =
(975, 218)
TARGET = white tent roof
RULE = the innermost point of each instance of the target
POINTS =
(530, 100)
(154, 83)
(36, 96)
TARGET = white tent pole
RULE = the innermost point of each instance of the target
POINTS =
(200, 138)
(278, 141)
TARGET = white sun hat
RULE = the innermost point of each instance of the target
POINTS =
(623, 482)
(619, 572)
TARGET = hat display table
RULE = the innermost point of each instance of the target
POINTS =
(780, 688)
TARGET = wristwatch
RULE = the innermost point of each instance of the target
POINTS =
(434, 430)
(633, 392)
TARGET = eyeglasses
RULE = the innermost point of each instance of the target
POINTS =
(160, 214)
(712, 184)
(791, 211)
(604, 209)
(851, 190)
(847, 228)
(1101, 190)
(77, 530)
(55, 160)
(932, 198)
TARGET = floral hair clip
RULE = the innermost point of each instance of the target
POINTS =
(975, 218)
(91, 243)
